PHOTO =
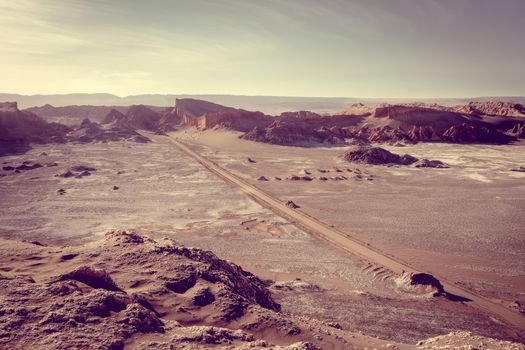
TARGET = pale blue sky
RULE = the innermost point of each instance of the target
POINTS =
(368, 48)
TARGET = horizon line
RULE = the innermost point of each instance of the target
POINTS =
(248, 95)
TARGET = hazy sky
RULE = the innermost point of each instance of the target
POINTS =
(367, 48)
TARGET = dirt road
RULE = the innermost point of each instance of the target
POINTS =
(351, 244)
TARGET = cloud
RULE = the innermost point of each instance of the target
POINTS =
(296, 47)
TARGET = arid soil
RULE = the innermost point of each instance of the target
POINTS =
(156, 189)
(463, 222)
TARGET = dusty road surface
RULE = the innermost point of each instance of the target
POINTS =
(347, 242)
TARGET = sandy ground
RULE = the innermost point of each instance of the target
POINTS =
(164, 192)
(464, 222)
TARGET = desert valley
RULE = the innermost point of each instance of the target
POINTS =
(388, 226)
(262, 174)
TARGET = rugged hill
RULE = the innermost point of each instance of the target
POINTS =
(493, 108)
(207, 115)
(130, 291)
(20, 128)
(89, 131)
(409, 123)
(412, 123)
(303, 129)
(73, 115)
(187, 112)
(136, 117)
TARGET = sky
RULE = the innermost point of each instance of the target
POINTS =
(345, 48)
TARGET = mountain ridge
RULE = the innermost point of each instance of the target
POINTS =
(265, 104)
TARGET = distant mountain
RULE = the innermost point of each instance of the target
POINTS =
(73, 115)
(267, 104)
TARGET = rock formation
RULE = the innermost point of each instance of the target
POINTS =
(182, 297)
(493, 108)
(518, 130)
(137, 117)
(118, 130)
(424, 123)
(73, 115)
(377, 156)
(288, 134)
(131, 291)
(420, 283)
(465, 133)
(18, 129)
(427, 163)
(207, 115)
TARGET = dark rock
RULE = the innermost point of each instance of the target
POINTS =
(69, 256)
(377, 156)
(426, 163)
(98, 279)
(335, 325)
(203, 297)
(81, 168)
(292, 205)
(426, 279)
(183, 283)
(67, 174)
(27, 166)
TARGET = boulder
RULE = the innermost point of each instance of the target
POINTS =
(420, 283)
(292, 205)
(377, 156)
(426, 163)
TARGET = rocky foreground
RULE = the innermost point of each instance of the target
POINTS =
(130, 291)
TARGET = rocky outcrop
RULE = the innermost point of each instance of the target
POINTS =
(137, 117)
(288, 134)
(427, 163)
(18, 129)
(465, 133)
(423, 133)
(518, 130)
(466, 340)
(291, 204)
(420, 283)
(304, 129)
(493, 108)
(207, 115)
(358, 109)
(425, 123)
(118, 130)
(132, 291)
(73, 115)
(95, 297)
(77, 171)
(377, 156)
